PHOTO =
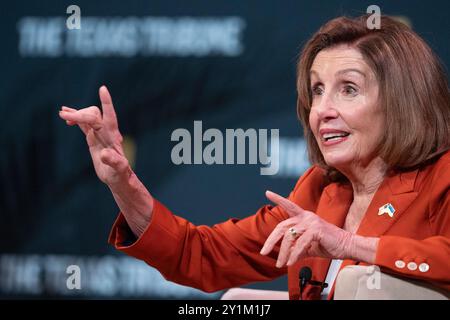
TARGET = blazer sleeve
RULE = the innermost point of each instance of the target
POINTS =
(209, 258)
(426, 259)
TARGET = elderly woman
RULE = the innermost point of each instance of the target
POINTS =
(375, 108)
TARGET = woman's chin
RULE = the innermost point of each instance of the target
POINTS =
(338, 160)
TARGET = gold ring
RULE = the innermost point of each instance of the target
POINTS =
(293, 232)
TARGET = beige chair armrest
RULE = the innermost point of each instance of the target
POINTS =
(357, 283)
(253, 294)
(366, 283)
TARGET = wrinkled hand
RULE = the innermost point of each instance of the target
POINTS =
(316, 237)
(103, 138)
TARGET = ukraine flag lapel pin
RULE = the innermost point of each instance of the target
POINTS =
(387, 208)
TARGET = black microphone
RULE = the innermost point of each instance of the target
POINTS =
(305, 276)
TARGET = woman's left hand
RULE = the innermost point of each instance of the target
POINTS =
(305, 234)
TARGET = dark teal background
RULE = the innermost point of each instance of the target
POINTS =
(50, 199)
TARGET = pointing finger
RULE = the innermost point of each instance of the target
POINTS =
(291, 208)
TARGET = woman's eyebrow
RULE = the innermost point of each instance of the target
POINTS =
(341, 72)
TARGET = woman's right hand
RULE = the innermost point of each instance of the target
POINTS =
(111, 165)
(103, 138)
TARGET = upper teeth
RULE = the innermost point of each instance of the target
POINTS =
(334, 134)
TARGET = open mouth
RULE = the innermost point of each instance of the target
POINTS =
(335, 136)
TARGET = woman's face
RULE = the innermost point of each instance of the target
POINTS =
(345, 115)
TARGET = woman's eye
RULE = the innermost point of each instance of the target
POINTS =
(317, 91)
(349, 90)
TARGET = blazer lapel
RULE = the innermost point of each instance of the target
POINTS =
(335, 204)
(397, 190)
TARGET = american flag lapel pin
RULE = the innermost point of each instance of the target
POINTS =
(387, 208)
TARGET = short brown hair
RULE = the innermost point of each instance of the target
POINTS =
(414, 94)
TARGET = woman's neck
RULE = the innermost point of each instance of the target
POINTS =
(365, 182)
(366, 179)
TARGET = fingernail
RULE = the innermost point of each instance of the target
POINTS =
(278, 265)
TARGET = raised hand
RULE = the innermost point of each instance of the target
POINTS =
(111, 165)
(103, 138)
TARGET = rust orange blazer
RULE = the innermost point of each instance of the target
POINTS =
(227, 254)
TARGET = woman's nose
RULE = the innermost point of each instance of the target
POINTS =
(326, 109)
